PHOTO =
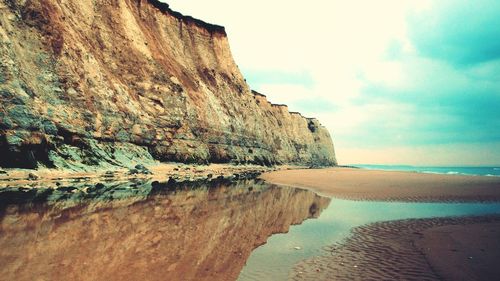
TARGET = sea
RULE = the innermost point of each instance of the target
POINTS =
(472, 171)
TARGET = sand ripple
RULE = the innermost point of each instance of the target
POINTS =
(380, 251)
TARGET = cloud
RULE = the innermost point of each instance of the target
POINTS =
(433, 155)
(313, 106)
(256, 78)
(394, 50)
(458, 31)
(439, 105)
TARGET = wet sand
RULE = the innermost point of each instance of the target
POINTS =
(421, 249)
(466, 248)
(472, 252)
(361, 184)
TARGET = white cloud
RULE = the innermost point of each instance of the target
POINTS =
(432, 155)
(286, 93)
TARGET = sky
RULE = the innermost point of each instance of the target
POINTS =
(395, 82)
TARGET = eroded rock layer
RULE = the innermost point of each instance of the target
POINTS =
(104, 82)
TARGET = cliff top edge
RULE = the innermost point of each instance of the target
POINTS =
(165, 8)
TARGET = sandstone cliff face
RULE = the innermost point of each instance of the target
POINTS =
(203, 234)
(94, 82)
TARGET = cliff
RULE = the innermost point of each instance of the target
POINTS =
(91, 83)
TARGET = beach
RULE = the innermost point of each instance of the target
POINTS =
(456, 248)
(361, 184)
(394, 237)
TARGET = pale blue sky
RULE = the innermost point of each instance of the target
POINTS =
(394, 81)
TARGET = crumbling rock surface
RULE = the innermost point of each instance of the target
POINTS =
(95, 83)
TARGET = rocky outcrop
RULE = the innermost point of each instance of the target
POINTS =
(193, 234)
(95, 83)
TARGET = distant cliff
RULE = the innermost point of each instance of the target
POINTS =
(86, 83)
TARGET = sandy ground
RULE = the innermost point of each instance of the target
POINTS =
(361, 184)
(423, 249)
(463, 252)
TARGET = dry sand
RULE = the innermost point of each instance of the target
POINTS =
(420, 249)
(361, 184)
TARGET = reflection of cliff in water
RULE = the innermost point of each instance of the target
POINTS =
(192, 234)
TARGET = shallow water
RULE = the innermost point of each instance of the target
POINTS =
(138, 232)
(274, 260)
(207, 232)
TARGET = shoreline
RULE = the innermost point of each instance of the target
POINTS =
(161, 172)
(342, 182)
(409, 249)
(19, 187)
